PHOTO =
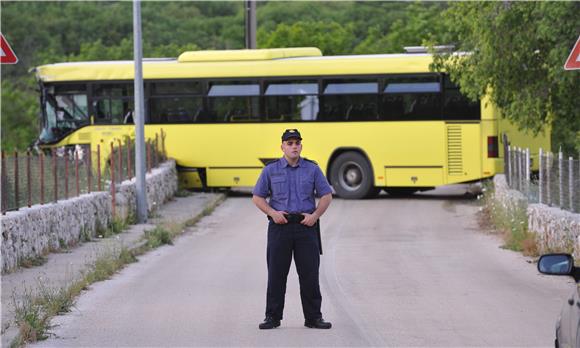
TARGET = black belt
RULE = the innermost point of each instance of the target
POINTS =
(292, 218)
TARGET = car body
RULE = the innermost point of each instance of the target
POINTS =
(568, 324)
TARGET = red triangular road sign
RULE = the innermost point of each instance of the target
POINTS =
(7, 56)
(573, 61)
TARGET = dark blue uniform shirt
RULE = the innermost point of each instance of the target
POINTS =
(292, 189)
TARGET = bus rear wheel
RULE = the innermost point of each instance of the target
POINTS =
(351, 176)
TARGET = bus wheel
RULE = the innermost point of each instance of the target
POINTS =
(351, 176)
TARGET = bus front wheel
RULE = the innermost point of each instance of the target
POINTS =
(351, 176)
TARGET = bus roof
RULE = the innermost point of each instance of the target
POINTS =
(306, 61)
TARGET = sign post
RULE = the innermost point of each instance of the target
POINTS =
(7, 55)
(573, 61)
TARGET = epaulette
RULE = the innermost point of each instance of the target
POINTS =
(309, 160)
(271, 162)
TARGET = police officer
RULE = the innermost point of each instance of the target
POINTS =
(292, 182)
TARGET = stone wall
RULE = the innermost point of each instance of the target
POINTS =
(556, 230)
(161, 186)
(32, 232)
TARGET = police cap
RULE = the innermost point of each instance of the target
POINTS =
(291, 133)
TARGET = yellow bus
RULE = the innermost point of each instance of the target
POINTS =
(371, 122)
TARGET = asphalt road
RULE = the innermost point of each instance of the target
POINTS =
(395, 272)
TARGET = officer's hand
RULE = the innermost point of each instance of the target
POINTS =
(278, 217)
(309, 219)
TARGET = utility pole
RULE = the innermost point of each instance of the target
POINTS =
(250, 11)
(139, 116)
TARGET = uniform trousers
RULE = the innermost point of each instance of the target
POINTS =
(285, 240)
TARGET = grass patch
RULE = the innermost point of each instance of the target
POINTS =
(510, 219)
(157, 237)
(31, 318)
(33, 261)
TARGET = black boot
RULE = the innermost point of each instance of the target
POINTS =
(317, 324)
(269, 323)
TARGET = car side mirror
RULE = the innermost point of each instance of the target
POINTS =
(556, 264)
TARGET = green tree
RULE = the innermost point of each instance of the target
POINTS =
(331, 37)
(516, 53)
(21, 103)
(421, 24)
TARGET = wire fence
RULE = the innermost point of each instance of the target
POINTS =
(66, 172)
(557, 183)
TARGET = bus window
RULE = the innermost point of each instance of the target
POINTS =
(113, 103)
(232, 101)
(456, 106)
(114, 111)
(175, 109)
(412, 98)
(292, 101)
(351, 100)
(65, 109)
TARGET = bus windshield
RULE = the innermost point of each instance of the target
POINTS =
(65, 108)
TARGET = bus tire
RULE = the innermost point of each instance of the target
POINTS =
(351, 176)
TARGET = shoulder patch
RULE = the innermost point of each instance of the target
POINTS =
(309, 160)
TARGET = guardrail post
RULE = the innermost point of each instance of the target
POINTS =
(3, 182)
(28, 179)
(16, 179)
